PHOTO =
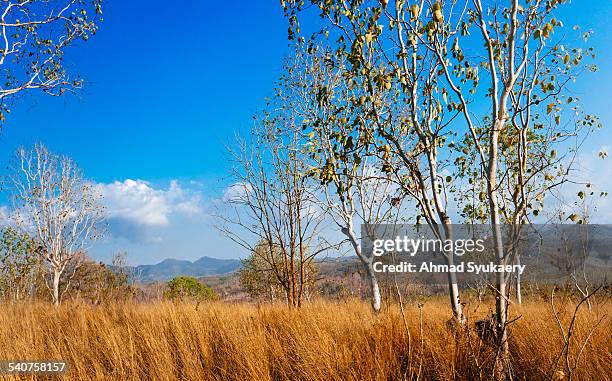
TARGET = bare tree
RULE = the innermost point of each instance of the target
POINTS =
(270, 203)
(59, 207)
(35, 35)
(574, 249)
(569, 340)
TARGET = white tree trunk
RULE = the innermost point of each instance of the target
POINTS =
(502, 360)
(453, 290)
(374, 288)
(57, 273)
(369, 267)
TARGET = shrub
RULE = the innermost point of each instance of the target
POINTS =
(20, 271)
(187, 287)
(264, 274)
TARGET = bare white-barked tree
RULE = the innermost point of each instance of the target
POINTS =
(58, 207)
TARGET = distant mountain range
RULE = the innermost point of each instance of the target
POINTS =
(170, 268)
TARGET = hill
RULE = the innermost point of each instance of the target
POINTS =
(169, 268)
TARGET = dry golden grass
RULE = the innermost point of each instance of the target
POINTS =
(321, 341)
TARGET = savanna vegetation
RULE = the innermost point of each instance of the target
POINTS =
(323, 340)
(427, 113)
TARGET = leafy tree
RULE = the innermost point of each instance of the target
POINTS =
(19, 265)
(36, 35)
(262, 274)
(526, 72)
(353, 187)
(395, 104)
(189, 288)
(494, 73)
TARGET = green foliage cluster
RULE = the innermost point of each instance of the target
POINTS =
(411, 83)
(18, 264)
(263, 274)
(189, 288)
(257, 277)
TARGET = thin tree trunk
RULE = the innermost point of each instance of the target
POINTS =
(374, 288)
(502, 360)
(369, 267)
(453, 288)
(519, 296)
(501, 370)
(56, 285)
(453, 292)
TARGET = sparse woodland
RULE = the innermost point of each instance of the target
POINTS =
(427, 113)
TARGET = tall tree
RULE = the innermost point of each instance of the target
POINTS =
(525, 72)
(355, 191)
(35, 35)
(271, 203)
(59, 208)
(429, 51)
(409, 113)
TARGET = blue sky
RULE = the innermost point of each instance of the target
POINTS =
(168, 85)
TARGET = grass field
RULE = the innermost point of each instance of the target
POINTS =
(321, 341)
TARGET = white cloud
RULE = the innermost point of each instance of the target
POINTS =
(236, 192)
(139, 211)
(153, 222)
(136, 201)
